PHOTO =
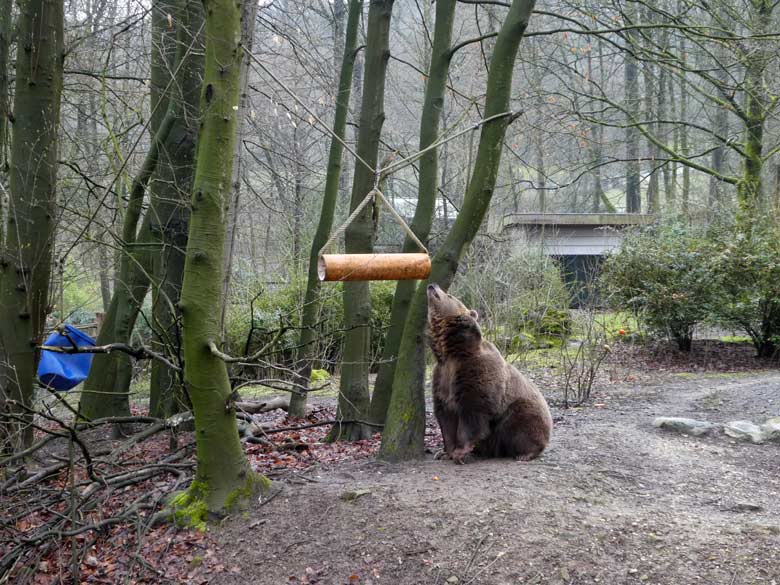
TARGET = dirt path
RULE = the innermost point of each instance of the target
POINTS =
(612, 501)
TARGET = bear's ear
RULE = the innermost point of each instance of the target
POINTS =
(474, 315)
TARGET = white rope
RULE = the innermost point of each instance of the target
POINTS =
(379, 172)
(375, 193)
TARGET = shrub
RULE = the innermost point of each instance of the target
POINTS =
(255, 322)
(748, 272)
(519, 293)
(545, 321)
(664, 274)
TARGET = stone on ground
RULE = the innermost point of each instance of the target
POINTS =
(771, 429)
(744, 430)
(686, 426)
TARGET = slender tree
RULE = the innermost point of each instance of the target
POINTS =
(631, 79)
(433, 104)
(223, 477)
(248, 17)
(6, 22)
(311, 304)
(354, 398)
(405, 424)
(25, 267)
(106, 390)
(169, 188)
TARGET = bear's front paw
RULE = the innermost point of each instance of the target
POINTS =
(441, 454)
(460, 456)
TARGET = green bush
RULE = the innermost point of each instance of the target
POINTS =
(663, 273)
(549, 322)
(252, 323)
(748, 273)
(519, 294)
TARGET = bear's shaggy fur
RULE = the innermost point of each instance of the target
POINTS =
(483, 404)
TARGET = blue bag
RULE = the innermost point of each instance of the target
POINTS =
(63, 371)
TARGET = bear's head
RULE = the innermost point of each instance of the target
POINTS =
(454, 329)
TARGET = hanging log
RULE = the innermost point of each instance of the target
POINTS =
(345, 267)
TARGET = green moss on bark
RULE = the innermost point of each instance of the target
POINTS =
(190, 508)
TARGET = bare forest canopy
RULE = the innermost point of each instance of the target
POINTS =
(614, 96)
(171, 169)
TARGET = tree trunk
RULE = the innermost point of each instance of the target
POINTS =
(248, 17)
(311, 304)
(685, 193)
(169, 190)
(25, 267)
(404, 430)
(105, 391)
(665, 97)
(359, 236)
(631, 73)
(433, 104)
(721, 123)
(6, 24)
(104, 267)
(223, 477)
(653, 187)
(750, 187)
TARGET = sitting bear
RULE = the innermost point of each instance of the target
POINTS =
(483, 404)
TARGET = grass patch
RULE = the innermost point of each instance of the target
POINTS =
(259, 391)
(713, 375)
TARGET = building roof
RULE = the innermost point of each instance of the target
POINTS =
(576, 219)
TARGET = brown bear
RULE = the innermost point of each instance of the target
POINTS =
(484, 405)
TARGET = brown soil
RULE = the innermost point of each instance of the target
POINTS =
(612, 501)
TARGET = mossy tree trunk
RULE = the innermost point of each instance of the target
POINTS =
(433, 104)
(25, 267)
(6, 23)
(405, 423)
(6, 18)
(223, 474)
(170, 187)
(106, 389)
(311, 305)
(354, 398)
(756, 110)
(248, 18)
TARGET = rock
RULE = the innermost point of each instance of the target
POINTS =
(771, 429)
(454, 579)
(744, 430)
(351, 496)
(741, 507)
(686, 426)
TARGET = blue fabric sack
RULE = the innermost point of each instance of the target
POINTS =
(63, 371)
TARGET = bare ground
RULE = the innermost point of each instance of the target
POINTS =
(613, 500)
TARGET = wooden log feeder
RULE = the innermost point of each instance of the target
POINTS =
(351, 267)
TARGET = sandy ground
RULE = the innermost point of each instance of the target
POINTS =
(613, 500)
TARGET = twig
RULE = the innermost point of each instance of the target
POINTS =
(231, 360)
(323, 423)
(140, 353)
